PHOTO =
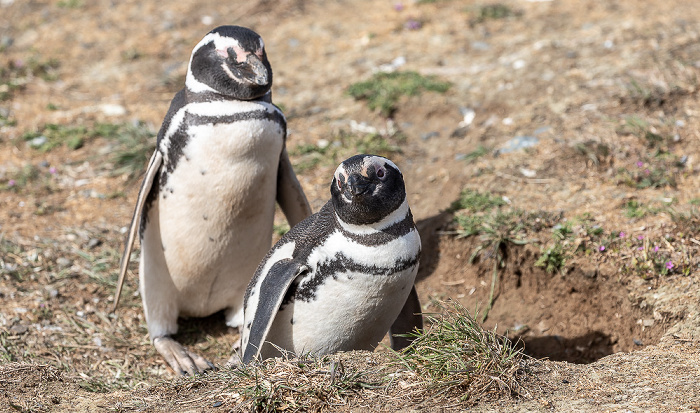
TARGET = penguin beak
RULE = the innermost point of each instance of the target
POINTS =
(357, 185)
(260, 75)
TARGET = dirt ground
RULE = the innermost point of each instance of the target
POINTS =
(605, 91)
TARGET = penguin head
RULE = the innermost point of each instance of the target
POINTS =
(366, 189)
(230, 60)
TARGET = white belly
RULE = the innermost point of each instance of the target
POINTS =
(353, 310)
(216, 212)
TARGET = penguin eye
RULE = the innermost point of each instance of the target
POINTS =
(340, 184)
(380, 173)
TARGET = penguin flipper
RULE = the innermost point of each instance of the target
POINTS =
(151, 171)
(290, 195)
(408, 321)
(272, 289)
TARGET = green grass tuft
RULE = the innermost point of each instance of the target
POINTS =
(475, 201)
(383, 90)
(458, 358)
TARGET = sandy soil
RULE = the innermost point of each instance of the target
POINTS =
(575, 76)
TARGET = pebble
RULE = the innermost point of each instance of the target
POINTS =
(38, 142)
(394, 65)
(6, 41)
(18, 329)
(433, 134)
(637, 342)
(528, 173)
(481, 46)
(460, 132)
(63, 262)
(468, 116)
(519, 64)
(93, 242)
(517, 143)
(112, 109)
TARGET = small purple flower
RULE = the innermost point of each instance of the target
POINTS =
(640, 248)
(669, 265)
(53, 170)
(640, 164)
(11, 182)
(640, 237)
(412, 24)
(398, 6)
(646, 171)
(656, 248)
(622, 234)
(602, 248)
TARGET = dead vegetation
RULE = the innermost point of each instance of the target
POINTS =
(568, 127)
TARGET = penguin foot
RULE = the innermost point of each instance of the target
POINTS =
(235, 359)
(181, 360)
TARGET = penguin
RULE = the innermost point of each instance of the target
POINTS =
(343, 277)
(205, 209)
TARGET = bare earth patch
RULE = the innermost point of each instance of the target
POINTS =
(582, 118)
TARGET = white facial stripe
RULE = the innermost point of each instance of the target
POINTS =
(194, 85)
(396, 216)
(377, 160)
(230, 73)
(222, 45)
(340, 170)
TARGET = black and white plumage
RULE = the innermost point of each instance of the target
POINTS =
(205, 208)
(343, 277)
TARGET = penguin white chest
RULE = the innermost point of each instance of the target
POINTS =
(351, 298)
(217, 209)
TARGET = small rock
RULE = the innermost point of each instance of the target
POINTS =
(519, 64)
(216, 404)
(517, 143)
(468, 115)
(460, 132)
(528, 173)
(38, 142)
(63, 262)
(6, 41)
(637, 342)
(481, 46)
(433, 134)
(44, 164)
(112, 109)
(18, 329)
(94, 242)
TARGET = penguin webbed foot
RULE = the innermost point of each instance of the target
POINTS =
(181, 360)
(236, 358)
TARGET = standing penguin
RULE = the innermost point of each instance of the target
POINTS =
(342, 277)
(206, 206)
